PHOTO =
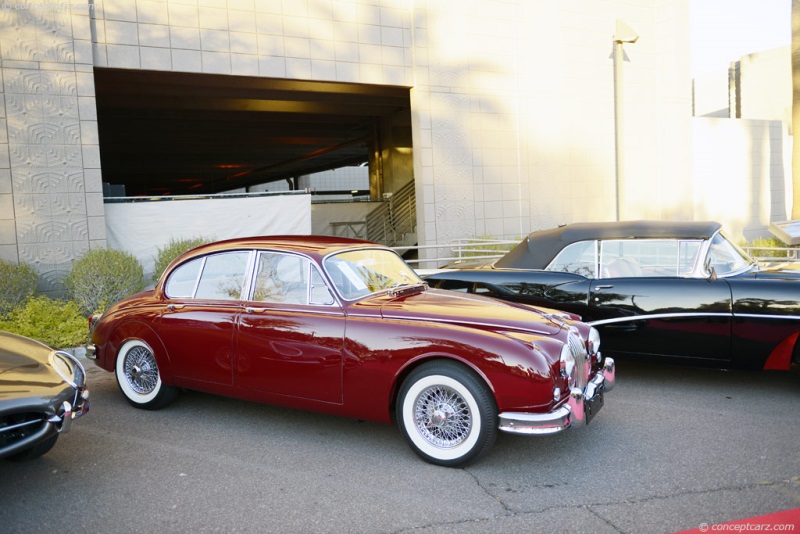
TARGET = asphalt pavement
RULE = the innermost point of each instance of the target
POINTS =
(673, 448)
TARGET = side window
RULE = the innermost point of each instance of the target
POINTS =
(183, 280)
(578, 258)
(223, 276)
(281, 278)
(320, 294)
(724, 256)
(621, 258)
(625, 258)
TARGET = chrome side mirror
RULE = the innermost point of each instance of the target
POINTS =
(709, 268)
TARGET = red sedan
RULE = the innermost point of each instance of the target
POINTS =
(346, 327)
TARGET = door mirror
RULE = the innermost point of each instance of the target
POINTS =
(710, 271)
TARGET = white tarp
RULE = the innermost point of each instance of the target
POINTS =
(142, 227)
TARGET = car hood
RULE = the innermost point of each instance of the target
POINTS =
(437, 305)
(24, 366)
(779, 270)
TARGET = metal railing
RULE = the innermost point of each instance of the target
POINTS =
(394, 222)
(773, 254)
(477, 249)
(458, 250)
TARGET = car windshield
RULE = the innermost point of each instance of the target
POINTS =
(357, 273)
(725, 257)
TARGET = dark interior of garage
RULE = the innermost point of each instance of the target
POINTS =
(173, 133)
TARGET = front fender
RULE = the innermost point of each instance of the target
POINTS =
(141, 331)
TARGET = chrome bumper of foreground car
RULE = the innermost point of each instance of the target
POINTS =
(581, 406)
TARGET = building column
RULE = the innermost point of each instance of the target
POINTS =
(51, 196)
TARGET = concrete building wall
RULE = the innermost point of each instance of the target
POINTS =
(512, 102)
(740, 173)
(51, 203)
(516, 100)
(766, 85)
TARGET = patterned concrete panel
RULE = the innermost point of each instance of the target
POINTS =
(42, 135)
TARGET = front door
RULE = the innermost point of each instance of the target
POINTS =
(682, 317)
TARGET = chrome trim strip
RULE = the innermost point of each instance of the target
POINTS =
(655, 316)
(765, 316)
(646, 317)
(439, 320)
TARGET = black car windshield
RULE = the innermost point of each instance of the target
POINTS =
(357, 273)
(725, 257)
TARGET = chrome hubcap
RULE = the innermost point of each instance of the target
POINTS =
(442, 416)
(141, 370)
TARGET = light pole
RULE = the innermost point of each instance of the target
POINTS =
(624, 34)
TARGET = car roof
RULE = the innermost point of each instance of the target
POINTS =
(538, 249)
(309, 244)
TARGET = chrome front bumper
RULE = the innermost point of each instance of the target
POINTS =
(579, 408)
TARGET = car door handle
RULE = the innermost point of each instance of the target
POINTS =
(604, 287)
(254, 310)
(173, 307)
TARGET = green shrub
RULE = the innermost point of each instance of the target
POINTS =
(17, 284)
(102, 277)
(172, 250)
(55, 322)
(765, 242)
(478, 249)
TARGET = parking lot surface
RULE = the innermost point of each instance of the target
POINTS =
(673, 448)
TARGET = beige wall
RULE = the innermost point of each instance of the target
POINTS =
(514, 115)
(740, 174)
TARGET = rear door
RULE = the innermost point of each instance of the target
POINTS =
(198, 319)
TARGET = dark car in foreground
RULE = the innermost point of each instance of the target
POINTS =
(346, 327)
(678, 290)
(41, 391)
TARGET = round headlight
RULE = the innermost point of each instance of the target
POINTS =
(567, 361)
(593, 343)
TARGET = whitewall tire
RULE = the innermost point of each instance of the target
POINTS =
(447, 414)
(139, 379)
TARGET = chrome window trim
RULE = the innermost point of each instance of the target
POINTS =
(701, 267)
(357, 249)
(203, 268)
(202, 260)
(596, 272)
(248, 296)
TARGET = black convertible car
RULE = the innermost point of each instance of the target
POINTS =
(41, 391)
(668, 289)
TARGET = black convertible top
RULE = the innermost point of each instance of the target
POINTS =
(538, 249)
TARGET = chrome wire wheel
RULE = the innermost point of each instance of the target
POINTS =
(447, 413)
(442, 416)
(139, 378)
(141, 370)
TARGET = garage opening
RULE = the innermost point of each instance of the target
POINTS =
(172, 133)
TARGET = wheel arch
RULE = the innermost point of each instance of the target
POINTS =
(419, 361)
(138, 330)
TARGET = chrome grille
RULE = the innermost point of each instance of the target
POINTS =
(16, 427)
(582, 364)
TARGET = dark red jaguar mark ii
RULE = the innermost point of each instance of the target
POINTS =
(346, 327)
